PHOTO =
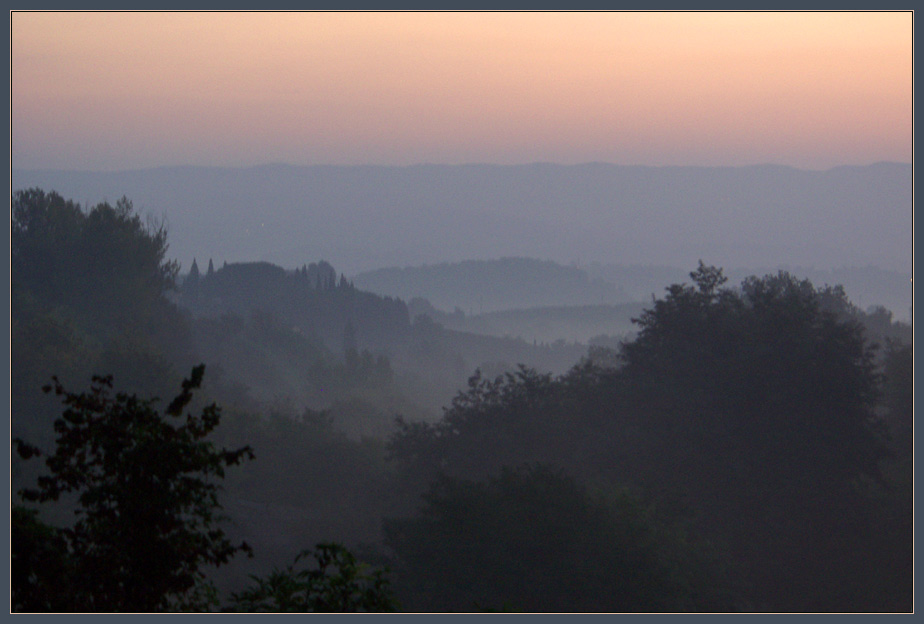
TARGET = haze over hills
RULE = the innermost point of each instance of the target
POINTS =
(470, 294)
(479, 286)
(366, 217)
(312, 372)
(244, 380)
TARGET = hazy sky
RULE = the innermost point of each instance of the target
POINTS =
(133, 90)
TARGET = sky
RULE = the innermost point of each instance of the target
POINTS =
(130, 90)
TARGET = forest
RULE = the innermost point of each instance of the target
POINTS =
(252, 438)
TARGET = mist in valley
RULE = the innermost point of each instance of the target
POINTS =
(360, 392)
(554, 312)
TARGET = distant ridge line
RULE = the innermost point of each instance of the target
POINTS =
(541, 164)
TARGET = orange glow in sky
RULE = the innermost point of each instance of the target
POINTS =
(95, 90)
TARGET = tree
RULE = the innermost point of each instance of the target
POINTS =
(759, 403)
(534, 539)
(764, 376)
(44, 230)
(339, 584)
(86, 282)
(105, 263)
(751, 410)
(147, 512)
(516, 418)
(39, 564)
(898, 395)
(350, 348)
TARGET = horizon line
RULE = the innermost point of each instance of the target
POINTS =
(278, 164)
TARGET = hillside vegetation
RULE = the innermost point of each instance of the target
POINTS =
(748, 447)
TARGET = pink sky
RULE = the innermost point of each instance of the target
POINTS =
(133, 90)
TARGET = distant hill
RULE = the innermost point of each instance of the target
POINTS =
(539, 295)
(551, 324)
(311, 299)
(366, 217)
(280, 331)
(481, 286)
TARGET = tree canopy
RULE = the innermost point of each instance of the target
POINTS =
(750, 410)
(89, 290)
(533, 539)
(104, 261)
(338, 584)
(147, 514)
(766, 365)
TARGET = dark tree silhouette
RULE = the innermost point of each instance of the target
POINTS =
(534, 539)
(339, 584)
(147, 515)
(105, 262)
(762, 381)
(759, 403)
(751, 410)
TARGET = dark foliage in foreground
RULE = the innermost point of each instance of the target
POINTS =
(339, 584)
(147, 510)
(534, 539)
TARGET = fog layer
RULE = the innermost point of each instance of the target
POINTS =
(364, 218)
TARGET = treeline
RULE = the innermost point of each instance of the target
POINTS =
(310, 298)
(92, 293)
(749, 427)
(87, 295)
(265, 326)
(749, 449)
